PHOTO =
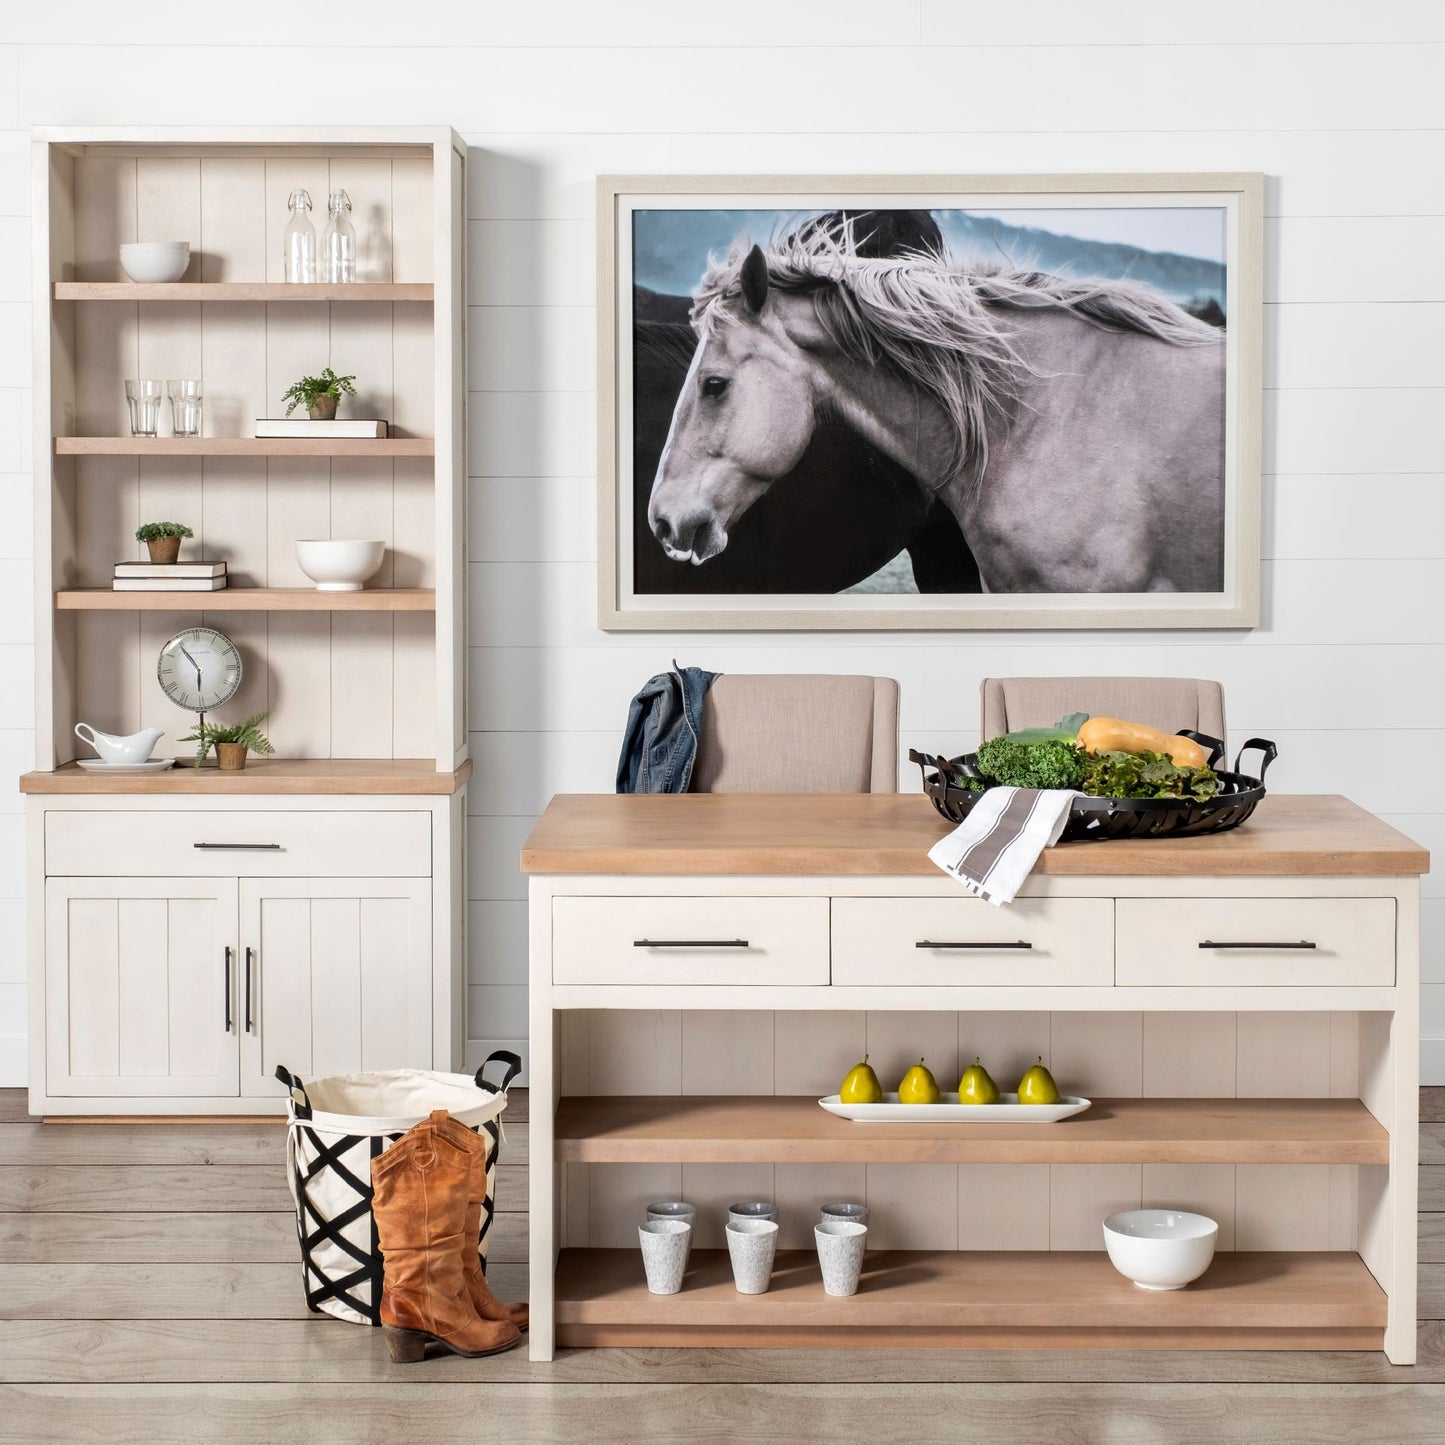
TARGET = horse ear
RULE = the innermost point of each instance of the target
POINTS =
(754, 279)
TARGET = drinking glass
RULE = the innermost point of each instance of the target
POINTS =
(185, 408)
(144, 399)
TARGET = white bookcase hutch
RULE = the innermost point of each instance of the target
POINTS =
(191, 930)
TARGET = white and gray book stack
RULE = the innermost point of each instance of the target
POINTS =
(169, 577)
(358, 428)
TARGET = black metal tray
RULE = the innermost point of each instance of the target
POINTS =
(1093, 818)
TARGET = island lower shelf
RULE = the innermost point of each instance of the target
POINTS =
(792, 1129)
(979, 1299)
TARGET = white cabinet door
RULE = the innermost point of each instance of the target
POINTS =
(335, 977)
(141, 987)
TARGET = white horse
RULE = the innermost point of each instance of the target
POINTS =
(1075, 429)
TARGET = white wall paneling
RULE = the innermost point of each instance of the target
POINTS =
(1338, 106)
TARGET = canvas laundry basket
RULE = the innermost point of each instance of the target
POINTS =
(336, 1127)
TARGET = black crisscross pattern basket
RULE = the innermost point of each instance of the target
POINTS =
(946, 781)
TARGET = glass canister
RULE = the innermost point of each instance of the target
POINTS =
(338, 253)
(299, 242)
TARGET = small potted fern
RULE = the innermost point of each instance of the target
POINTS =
(163, 540)
(319, 394)
(231, 741)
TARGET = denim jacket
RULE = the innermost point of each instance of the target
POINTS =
(659, 746)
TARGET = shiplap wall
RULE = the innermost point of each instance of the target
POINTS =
(1339, 104)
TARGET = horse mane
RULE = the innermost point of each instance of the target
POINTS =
(936, 323)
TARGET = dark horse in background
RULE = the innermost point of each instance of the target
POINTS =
(837, 517)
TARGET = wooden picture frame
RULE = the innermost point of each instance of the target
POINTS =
(1215, 423)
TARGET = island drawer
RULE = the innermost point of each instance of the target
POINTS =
(680, 941)
(1259, 942)
(269, 844)
(957, 942)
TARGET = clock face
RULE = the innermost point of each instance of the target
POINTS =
(199, 668)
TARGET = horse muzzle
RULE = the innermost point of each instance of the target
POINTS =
(696, 538)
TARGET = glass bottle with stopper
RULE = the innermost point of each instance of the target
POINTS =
(339, 250)
(299, 242)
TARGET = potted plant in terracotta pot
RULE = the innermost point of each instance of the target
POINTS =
(319, 394)
(231, 741)
(163, 540)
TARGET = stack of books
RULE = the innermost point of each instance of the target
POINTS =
(169, 577)
(300, 426)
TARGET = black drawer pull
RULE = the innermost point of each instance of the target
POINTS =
(689, 943)
(1303, 943)
(970, 943)
(242, 847)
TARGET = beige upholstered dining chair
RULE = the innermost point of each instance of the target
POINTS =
(1009, 703)
(798, 734)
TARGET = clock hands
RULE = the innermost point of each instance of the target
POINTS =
(195, 664)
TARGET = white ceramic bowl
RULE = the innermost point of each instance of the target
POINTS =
(1160, 1248)
(339, 566)
(150, 261)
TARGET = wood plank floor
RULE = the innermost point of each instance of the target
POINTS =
(149, 1291)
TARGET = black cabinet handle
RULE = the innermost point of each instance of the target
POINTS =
(249, 955)
(689, 943)
(241, 847)
(969, 943)
(229, 1020)
(1210, 943)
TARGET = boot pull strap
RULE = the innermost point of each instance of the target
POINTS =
(438, 1116)
(514, 1067)
(295, 1086)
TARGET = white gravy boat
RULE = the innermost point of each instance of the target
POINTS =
(135, 748)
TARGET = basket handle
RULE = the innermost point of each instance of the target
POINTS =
(295, 1086)
(1267, 748)
(1215, 745)
(514, 1067)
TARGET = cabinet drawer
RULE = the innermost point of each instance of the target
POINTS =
(1259, 942)
(690, 941)
(960, 942)
(257, 844)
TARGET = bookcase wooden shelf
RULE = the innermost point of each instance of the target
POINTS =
(249, 599)
(240, 291)
(363, 693)
(245, 447)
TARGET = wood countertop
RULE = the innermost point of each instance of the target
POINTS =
(889, 834)
(297, 777)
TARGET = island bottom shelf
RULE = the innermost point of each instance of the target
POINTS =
(921, 1299)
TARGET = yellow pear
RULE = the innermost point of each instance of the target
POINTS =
(976, 1086)
(918, 1086)
(1037, 1086)
(860, 1085)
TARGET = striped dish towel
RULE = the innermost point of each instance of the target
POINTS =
(995, 848)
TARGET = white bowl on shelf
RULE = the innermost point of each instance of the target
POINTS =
(1160, 1248)
(339, 566)
(147, 262)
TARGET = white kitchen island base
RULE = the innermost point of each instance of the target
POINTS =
(703, 968)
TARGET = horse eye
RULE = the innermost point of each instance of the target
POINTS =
(714, 386)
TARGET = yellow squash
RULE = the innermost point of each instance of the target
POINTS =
(1114, 735)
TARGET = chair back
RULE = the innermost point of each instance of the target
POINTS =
(1009, 703)
(798, 733)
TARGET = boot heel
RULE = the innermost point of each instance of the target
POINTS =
(406, 1347)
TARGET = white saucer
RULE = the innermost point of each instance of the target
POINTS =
(153, 765)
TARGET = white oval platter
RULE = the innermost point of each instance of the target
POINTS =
(1008, 1110)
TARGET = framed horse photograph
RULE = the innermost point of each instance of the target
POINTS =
(986, 401)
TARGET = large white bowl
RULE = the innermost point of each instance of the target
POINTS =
(339, 566)
(151, 261)
(1160, 1248)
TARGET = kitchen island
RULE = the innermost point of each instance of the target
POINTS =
(1242, 1008)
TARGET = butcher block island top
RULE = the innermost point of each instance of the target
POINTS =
(889, 834)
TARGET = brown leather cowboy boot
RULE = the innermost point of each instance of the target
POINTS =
(486, 1303)
(421, 1201)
